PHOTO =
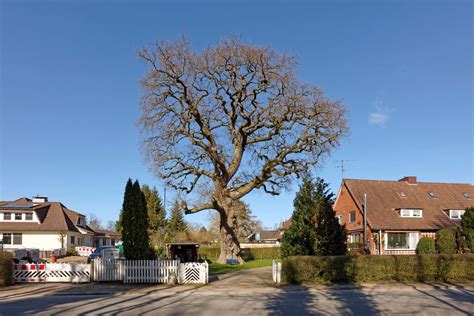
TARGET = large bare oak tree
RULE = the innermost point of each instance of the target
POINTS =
(234, 118)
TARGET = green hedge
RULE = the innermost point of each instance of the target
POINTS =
(426, 245)
(354, 269)
(446, 241)
(6, 268)
(212, 253)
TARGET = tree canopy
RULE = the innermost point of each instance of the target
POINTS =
(235, 118)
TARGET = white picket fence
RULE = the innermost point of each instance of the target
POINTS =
(108, 270)
(276, 271)
(149, 271)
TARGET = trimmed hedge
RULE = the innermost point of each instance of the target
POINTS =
(446, 241)
(6, 268)
(426, 245)
(212, 253)
(355, 269)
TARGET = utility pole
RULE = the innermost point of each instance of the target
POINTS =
(164, 200)
(365, 222)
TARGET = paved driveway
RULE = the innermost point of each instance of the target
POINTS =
(247, 292)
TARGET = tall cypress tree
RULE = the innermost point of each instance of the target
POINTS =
(299, 238)
(136, 242)
(331, 237)
(126, 220)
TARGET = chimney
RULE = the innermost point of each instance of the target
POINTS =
(39, 199)
(409, 179)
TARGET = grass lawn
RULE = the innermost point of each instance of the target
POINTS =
(216, 268)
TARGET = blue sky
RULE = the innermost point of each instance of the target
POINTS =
(70, 89)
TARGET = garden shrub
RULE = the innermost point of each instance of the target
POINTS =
(355, 269)
(71, 251)
(6, 268)
(426, 245)
(446, 241)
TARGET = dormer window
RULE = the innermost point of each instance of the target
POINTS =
(432, 195)
(411, 213)
(456, 214)
(81, 221)
(466, 195)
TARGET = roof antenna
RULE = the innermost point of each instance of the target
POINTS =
(342, 166)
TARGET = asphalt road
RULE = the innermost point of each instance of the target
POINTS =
(248, 292)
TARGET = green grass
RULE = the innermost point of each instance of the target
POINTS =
(216, 268)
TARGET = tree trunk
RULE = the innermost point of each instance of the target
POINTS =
(230, 245)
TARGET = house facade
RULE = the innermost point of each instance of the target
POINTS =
(399, 213)
(40, 224)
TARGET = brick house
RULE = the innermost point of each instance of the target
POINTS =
(401, 212)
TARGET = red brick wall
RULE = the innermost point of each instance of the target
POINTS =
(346, 204)
(343, 206)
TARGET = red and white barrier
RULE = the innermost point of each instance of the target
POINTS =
(30, 273)
(84, 251)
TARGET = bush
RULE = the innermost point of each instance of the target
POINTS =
(446, 241)
(426, 245)
(354, 269)
(71, 251)
(6, 268)
(211, 254)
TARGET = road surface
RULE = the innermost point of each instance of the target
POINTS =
(247, 292)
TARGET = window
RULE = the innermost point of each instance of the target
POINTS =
(354, 238)
(405, 213)
(18, 216)
(73, 240)
(339, 219)
(7, 216)
(466, 195)
(79, 241)
(411, 213)
(7, 239)
(456, 214)
(396, 241)
(17, 239)
(431, 194)
(352, 217)
(29, 216)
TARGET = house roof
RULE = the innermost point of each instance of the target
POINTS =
(53, 216)
(106, 233)
(268, 234)
(386, 198)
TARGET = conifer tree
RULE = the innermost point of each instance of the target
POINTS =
(156, 211)
(126, 220)
(176, 222)
(300, 237)
(331, 237)
(135, 224)
(314, 229)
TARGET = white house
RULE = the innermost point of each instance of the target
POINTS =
(38, 223)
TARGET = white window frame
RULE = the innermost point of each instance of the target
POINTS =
(405, 212)
(3, 217)
(413, 239)
(459, 212)
(339, 219)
